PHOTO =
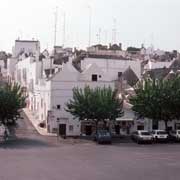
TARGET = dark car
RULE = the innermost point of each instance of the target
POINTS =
(103, 136)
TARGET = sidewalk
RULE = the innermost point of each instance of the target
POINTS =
(35, 123)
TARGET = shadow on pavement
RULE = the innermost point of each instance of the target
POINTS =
(23, 143)
(115, 139)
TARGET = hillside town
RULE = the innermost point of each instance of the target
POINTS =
(48, 78)
(90, 89)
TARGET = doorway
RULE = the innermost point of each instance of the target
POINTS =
(117, 129)
(88, 129)
(62, 129)
(140, 127)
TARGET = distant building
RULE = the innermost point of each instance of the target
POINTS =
(113, 67)
(26, 47)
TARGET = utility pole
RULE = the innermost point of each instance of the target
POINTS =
(55, 37)
(55, 25)
(90, 19)
(64, 29)
(99, 36)
(114, 31)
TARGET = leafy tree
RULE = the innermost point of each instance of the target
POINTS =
(157, 100)
(98, 105)
(11, 101)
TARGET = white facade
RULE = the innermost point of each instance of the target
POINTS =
(11, 64)
(23, 50)
(26, 46)
(97, 51)
(157, 64)
(3, 70)
(147, 124)
(28, 71)
(113, 66)
(52, 94)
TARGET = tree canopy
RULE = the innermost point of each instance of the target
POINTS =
(11, 101)
(157, 99)
(99, 104)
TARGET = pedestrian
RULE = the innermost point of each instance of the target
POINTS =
(5, 134)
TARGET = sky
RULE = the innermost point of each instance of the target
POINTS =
(151, 22)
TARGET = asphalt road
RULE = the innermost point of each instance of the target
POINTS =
(91, 161)
(38, 158)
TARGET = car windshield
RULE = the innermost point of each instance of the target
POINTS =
(161, 132)
(145, 133)
(173, 132)
(104, 132)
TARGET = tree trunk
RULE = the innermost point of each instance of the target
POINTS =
(166, 125)
(96, 126)
(105, 124)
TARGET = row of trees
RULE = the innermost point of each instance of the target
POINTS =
(97, 105)
(157, 100)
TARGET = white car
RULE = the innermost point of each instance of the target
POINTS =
(160, 135)
(175, 135)
(142, 136)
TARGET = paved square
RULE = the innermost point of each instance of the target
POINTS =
(90, 161)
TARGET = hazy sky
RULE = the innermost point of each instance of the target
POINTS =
(154, 22)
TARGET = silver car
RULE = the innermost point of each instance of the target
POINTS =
(142, 136)
(175, 135)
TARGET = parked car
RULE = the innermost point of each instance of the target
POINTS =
(142, 136)
(103, 136)
(174, 135)
(160, 135)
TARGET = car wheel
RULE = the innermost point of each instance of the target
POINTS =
(156, 139)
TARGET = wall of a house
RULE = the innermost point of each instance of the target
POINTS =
(113, 66)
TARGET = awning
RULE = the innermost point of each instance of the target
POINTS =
(124, 119)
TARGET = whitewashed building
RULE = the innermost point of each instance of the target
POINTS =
(113, 67)
(49, 81)
(157, 65)
(23, 49)
(52, 94)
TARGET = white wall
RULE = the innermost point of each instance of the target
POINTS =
(157, 64)
(113, 66)
(27, 47)
(58, 91)
(11, 68)
(31, 68)
(3, 70)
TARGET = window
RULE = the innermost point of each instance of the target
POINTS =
(140, 127)
(94, 77)
(155, 126)
(145, 133)
(161, 132)
(71, 127)
(99, 76)
(58, 106)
